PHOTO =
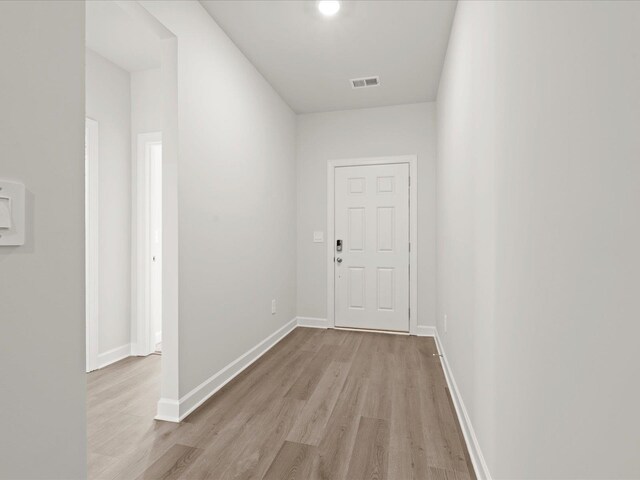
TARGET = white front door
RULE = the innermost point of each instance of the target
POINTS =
(371, 246)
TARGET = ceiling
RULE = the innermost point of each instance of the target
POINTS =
(309, 58)
(120, 37)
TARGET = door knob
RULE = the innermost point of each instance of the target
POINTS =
(339, 260)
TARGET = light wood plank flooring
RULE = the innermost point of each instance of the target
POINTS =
(322, 404)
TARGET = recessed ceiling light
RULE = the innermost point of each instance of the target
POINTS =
(329, 7)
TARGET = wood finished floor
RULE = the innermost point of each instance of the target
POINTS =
(322, 404)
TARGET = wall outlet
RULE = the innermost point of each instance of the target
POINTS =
(445, 324)
(273, 307)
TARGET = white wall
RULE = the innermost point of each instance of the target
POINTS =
(108, 90)
(146, 102)
(465, 227)
(236, 197)
(538, 226)
(372, 132)
(42, 405)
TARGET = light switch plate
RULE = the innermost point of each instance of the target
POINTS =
(14, 192)
(318, 237)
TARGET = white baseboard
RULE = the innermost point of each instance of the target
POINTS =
(477, 459)
(113, 355)
(425, 331)
(168, 410)
(312, 322)
(158, 337)
(176, 411)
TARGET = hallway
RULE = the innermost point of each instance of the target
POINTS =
(321, 404)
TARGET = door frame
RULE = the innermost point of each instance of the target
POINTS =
(412, 161)
(141, 325)
(92, 242)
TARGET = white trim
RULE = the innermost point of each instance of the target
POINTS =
(412, 160)
(158, 337)
(168, 410)
(114, 355)
(172, 411)
(92, 236)
(425, 331)
(473, 447)
(141, 328)
(312, 322)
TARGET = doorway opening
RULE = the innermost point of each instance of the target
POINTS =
(148, 271)
(131, 211)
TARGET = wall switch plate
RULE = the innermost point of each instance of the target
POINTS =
(12, 213)
(318, 237)
(273, 307)
(445, 324)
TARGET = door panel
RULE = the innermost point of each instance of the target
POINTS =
(386, 288)
(386, 229)
(357, 231)
(356, 288)
(372, 220)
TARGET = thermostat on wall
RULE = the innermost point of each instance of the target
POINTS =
(12, 210)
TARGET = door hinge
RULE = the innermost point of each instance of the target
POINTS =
(409, 181)
(409, 312)
(409, 246)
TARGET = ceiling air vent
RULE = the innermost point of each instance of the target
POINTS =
(365, 82)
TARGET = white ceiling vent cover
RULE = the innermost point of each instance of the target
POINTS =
(365, 82)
